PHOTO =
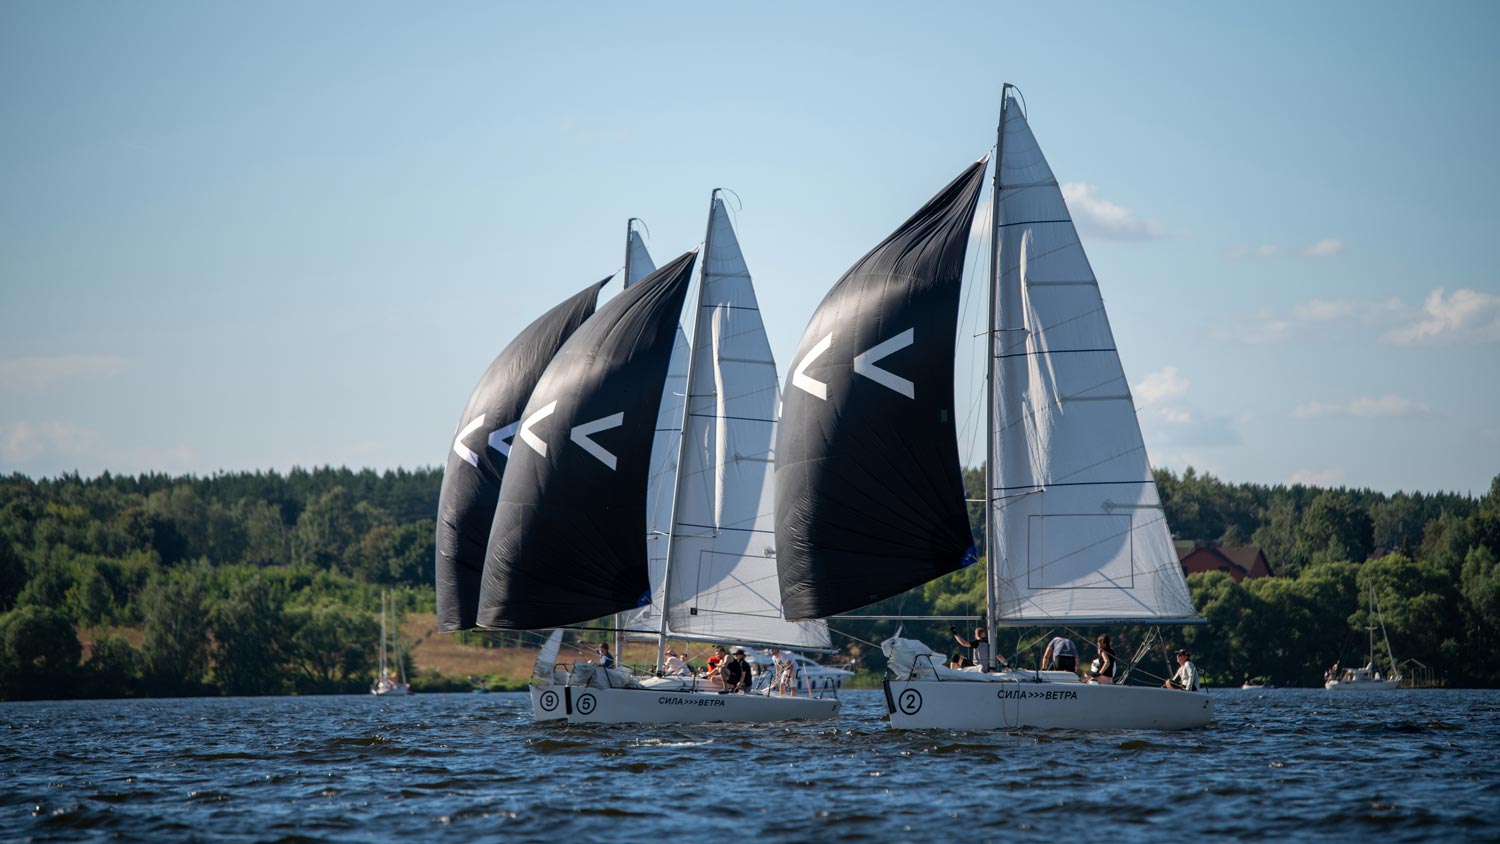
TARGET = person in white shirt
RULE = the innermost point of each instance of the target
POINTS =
(675, 666)
(1186, 677)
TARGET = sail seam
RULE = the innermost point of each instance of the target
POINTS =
(1030, 223)
(1052, 352)
(1076, 483)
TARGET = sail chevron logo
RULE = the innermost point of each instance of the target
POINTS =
(499, 436)
(532, 439)
(864, 364)
(580, 434)
(458, 442)
(806, 383)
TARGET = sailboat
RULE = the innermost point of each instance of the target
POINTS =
(869, 495)
(716, 579)
(388, 682)
(1368, 678)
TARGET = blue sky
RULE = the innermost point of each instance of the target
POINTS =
(237, 237)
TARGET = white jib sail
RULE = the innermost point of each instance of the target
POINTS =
(664, 448)
(1077, 527)
(723, 569)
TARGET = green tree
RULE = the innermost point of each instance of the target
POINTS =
(39, 653)
(1334, 529)
(1418, 602)
(174, 653)
(331, 647)
(249, 631)
(1480, 585)
(12, 573)
(113, 668)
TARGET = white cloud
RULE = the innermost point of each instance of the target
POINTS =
(1325, 248)
(21, 442)
(36, 373)
(1178, 424)
(1388, 405)
(1098, 216)
(1366, 311)
(1464, 316)
(1165, 384)
(1317, 477)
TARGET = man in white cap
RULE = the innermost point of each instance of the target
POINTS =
(1186, 677)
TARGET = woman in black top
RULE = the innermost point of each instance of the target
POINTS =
(1103, 670)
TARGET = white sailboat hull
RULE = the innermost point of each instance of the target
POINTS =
(1009, 704)
(547, 703)
(589, 705)
(1361, 685)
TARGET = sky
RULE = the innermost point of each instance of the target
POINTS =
(258, 236)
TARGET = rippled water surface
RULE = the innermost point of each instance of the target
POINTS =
(1295, 763)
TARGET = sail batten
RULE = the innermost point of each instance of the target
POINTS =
(566, 545)
(869, 491)
(480, 450)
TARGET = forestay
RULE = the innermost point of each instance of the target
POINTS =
(481, 447)
(869, 493)
(1077, 527)
(566, 545)
(722, 574)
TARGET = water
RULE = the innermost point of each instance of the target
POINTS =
(1296, 763)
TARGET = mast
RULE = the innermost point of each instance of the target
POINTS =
(991, 601)
(682, 441)
(382, 636)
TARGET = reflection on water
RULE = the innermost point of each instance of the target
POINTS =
(1403, 766)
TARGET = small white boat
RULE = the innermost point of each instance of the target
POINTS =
(1368, 678)
(1256, 683)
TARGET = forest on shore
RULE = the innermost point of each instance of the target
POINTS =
(267, 583)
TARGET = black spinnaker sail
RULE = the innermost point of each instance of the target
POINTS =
(481, 447)
(869, 491)
(566, 545)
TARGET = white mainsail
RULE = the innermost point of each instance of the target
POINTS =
(722, 573)
(1077, 529)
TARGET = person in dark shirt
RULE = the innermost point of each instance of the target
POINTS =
(736, 673)
(606, 658)
(1103, 670)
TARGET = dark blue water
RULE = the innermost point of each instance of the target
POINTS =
(1306, 764)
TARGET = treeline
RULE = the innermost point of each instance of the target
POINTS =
(246, 583)
(1431, 558)
(254, 583)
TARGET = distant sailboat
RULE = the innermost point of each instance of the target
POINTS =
(388, 681)
(1368, 678)
(870, 500)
